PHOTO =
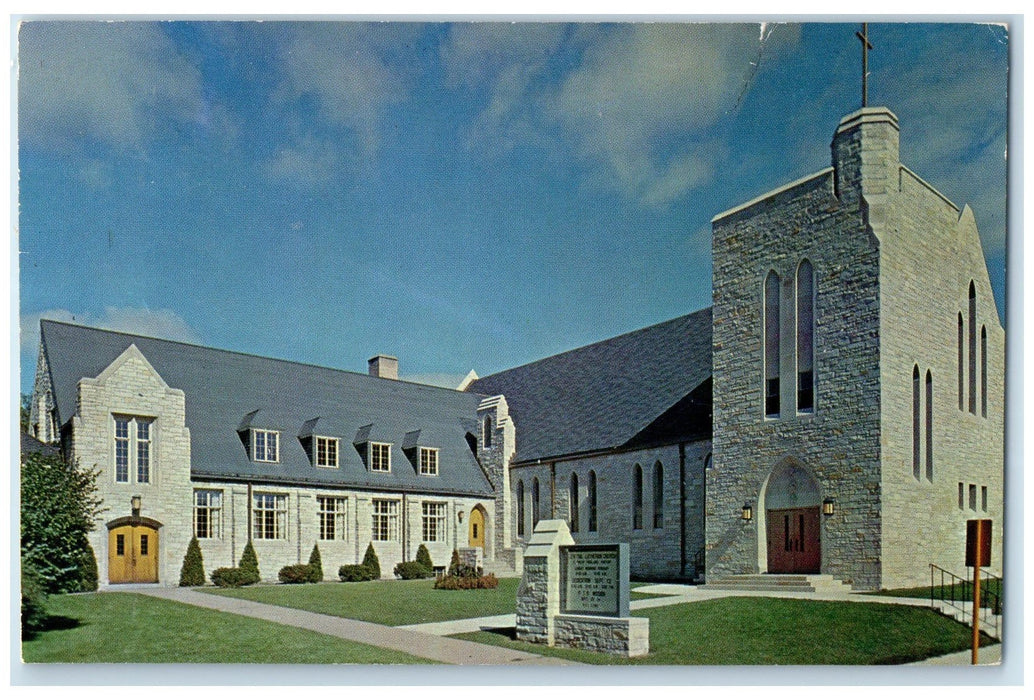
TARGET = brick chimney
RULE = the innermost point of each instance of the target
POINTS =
(384, 366)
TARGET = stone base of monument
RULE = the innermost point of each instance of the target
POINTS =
(576, 596)
(625, 636)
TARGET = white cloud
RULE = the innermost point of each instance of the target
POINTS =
(643, 103)
(338, 66)
(308, 161)
(157, 323)
(112, 82)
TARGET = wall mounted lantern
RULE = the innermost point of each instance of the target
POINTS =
(134, 503)
(748, 511)
(459, 516)
(828, 506)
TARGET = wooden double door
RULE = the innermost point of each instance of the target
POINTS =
(794, 541)
(133, 554)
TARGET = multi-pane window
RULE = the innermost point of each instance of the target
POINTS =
(385, 523)
(265, 446)
(327, 452)
(208, 508)
(805, 338)
(428, 461)
(269, 516)
(133, 449)
(432, 523)
(772, 322)
(380, 457)
(333, 516)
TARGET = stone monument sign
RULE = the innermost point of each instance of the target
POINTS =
(577, 595)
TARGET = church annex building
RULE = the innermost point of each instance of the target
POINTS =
(839, 410)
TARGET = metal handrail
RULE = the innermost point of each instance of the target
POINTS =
(955, 592)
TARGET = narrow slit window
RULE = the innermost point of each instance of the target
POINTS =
(805, 338)
(972, 349)
(520, 508)
(637, 495)
(916, 425)
(658, 496)
(592, 501)
(573, 501)
(983, 371)
(962, 364)
(535, 502)
(772, 344)
(962, 495)
(929, 426)
(983, 498)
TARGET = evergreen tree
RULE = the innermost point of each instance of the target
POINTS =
(454, 564)
(249, 565)
(424, 557)
(193, 571)
(316, 565)
(87, 569)
(371, 561)
(58, 505)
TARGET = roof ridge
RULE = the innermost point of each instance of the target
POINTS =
(244, 354)
(590, 345)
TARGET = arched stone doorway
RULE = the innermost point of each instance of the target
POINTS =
(133, 550)
(791, 541)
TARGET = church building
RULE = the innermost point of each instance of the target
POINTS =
(838, 410)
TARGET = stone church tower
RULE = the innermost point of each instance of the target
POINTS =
(858, 364)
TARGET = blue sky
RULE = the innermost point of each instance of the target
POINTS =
(460, 195)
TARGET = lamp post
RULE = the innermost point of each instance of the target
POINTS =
(748, 511)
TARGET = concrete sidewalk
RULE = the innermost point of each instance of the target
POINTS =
(417, 643)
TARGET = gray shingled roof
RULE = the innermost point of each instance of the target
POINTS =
(650, 385)
(228, 391)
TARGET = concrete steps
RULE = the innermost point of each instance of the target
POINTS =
(783, 583)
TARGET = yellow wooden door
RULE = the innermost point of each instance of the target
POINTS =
(133, 554)
(477, 528)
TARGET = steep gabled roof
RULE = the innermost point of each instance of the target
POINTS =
(227, 392)
(647, 386)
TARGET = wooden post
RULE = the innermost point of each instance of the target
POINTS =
(978, 553)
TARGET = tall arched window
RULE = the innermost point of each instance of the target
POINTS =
(929, 426)
(658, 495)
(573, 502)
(637, 503)
(916, 435)
(983, 371)
(487, 441)
(805, 337)
(972, 348)
(772, 344)
(520, 508)
(962, 364)
(592, 501)
(535, 502)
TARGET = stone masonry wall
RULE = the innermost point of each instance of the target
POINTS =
(654, 553)
(838, 444)
(930, 253)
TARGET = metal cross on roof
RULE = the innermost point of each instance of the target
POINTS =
(866, 47)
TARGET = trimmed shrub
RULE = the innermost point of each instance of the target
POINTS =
(249, 565)
(193, 571)
(34, 599)
(466, 583)
(229, 577)
(88, 570)
(316, 564)
(371, 561)
(412, 569)
(296, 573)
(424, 557)
(356, 572)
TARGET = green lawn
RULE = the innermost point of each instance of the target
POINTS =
(134, 628)
(774, 631)
(384, 602)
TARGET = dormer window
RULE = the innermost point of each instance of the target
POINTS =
(380, 457)
(265, 445)
(327, 452)
(428, 461)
